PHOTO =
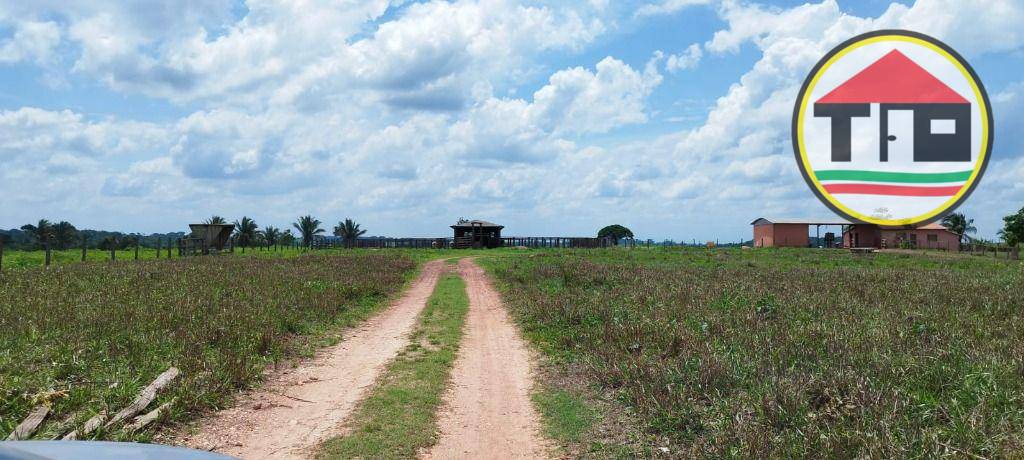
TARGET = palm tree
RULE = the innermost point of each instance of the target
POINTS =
(245, 231)
(64, 234)
(271, 235)
(308, 227)
(287, 238)
(958, 223)
(216, 220)
(41, 233)
(349, 231)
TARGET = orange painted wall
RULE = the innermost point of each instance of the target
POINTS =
(781, 235)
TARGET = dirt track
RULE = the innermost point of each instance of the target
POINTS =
(487, 411)
(298, 408)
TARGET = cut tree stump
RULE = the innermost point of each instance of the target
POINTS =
(90, 425)
(146, 396)
(28, 426)
(143, 420)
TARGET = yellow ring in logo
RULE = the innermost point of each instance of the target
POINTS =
(881, 36)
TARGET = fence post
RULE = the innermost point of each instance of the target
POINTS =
(136, 250)
(158, 248)
(113, 253)
(47, 247)
(84, 248)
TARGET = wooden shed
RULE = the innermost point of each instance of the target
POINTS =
(476, 234)
(207, 238)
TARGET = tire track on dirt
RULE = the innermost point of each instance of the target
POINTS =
(296, 409)
(487, 412)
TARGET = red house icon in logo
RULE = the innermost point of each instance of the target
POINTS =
(918, 112)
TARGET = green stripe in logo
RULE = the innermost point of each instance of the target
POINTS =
(886, 176)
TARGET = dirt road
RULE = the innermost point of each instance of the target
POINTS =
(487, 412)
(296, 409)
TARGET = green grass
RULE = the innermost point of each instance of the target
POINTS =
(399, 416)
(34, 259)
(568, 416)
(37, 258)
(87, 337)
(782, 353)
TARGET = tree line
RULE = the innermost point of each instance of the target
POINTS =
(63, 235)
(247, 233)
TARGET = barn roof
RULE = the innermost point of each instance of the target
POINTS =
(931, 226)
(482, 223)
(814, 221)
(894, 78)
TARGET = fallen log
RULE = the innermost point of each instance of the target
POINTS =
(143, 420)
(90, 425)
(146, 396)
(31, 423)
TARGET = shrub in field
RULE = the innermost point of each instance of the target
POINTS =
(782, 354)
(87, 337)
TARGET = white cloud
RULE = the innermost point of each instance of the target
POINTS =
(667, 7)
(688, 59)
(32, 41)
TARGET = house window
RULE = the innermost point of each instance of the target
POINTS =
(913, 237)
(943, 127)
(933, 238)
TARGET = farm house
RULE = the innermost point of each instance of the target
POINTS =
(930, 236)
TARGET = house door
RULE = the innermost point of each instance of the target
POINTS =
(900, 138)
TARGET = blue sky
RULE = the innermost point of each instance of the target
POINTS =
(551, 117)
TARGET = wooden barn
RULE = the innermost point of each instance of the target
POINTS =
(476, 234)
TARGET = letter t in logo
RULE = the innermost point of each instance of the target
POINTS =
(841, 125)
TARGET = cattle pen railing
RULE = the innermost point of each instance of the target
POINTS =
(993, 250)
(452, 243)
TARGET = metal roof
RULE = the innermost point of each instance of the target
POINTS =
(805, 221)
(473, 222)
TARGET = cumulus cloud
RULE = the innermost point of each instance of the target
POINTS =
(32, 41)
(667, 7)
(688, 59)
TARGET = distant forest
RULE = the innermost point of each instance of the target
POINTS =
(94, 239)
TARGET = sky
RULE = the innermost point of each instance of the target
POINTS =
(553, 118)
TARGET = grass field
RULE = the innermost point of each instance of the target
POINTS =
(37, 258)
(399, 417)
(87, 337)
(778, 353)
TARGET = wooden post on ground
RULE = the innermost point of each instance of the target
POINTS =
(136, 250)
(84, 248)
(146, 396)
(113, 253)
(158, 240)
(27, 427)
(46, 246)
